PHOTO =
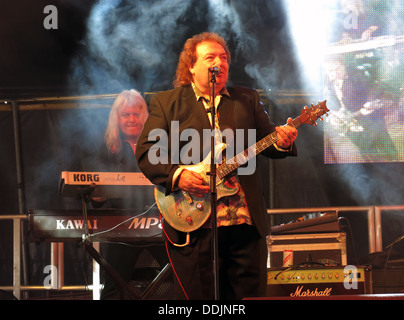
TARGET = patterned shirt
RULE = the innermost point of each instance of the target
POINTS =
(231, 210)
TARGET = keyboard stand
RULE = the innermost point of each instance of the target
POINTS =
(124, 287)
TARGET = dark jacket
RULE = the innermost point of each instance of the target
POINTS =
(241, 110)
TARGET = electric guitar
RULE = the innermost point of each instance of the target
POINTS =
(185, 212)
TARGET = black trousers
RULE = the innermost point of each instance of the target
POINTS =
(242, 264)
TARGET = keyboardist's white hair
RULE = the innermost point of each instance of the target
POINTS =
(112, 133)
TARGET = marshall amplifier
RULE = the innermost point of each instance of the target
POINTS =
(319, 281)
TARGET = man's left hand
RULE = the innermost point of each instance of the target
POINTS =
(287, 134)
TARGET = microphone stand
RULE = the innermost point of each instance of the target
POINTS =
(213, 193)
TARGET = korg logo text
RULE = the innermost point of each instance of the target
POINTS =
(86, 177)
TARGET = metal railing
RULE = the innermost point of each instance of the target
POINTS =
(374, 219)
(56, 260)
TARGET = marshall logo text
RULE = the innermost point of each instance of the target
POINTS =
(311, 293)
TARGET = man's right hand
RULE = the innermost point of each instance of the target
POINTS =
(193, 183)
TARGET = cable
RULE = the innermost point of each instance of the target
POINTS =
(175, 272)
(351, 238)
(296, 266)
(128, 244)
(187, 241)
(169, 256)
(116, 226)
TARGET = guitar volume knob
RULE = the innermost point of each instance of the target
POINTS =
(199, 206)
(188, 220)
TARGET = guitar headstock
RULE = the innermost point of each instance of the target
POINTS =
(312, 114)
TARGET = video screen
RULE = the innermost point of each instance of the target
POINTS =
(364, 84)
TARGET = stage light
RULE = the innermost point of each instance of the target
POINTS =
(310, 25)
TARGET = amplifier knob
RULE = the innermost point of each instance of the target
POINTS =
(323, 276)
(337, 276)
(309, 276)
(329, 276)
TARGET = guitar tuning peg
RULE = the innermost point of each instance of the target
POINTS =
(305, 107)
(321, 119)
(315, 124)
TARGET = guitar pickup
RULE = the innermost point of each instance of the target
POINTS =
(187, 197)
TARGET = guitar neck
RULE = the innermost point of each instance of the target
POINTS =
(240, 159)
(307, 116)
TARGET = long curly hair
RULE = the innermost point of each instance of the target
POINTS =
(113, 133)
(188, 56)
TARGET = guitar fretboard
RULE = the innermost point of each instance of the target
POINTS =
(240, 159)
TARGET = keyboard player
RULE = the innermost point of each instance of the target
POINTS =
(127, 116)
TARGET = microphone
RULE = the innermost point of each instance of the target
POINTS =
(215, 70)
